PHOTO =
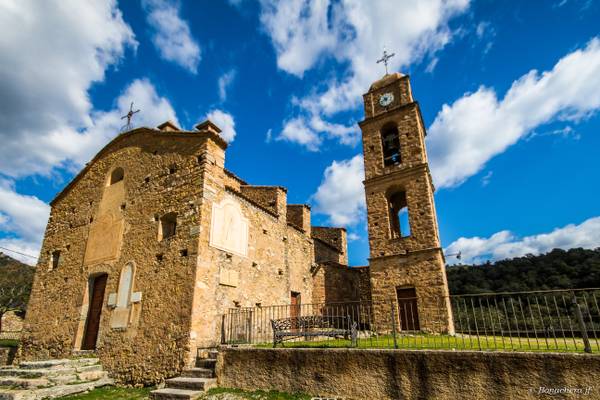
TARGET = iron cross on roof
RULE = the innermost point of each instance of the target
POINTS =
(385, 59)
(129, 115)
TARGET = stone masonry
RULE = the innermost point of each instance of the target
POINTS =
(155, 240)
(400, 260)
(178, 240)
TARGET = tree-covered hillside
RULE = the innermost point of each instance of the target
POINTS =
(559, 269)
(16, 279)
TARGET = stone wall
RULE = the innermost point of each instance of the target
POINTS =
(403, 374)
(274, 262)
(298, 215)
(337, 283)
(161, 175)
(331, 244)
(419, 270)
(402, 258)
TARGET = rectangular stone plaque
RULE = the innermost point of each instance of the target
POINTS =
(112, 299)
(136, 297)
(228, 277)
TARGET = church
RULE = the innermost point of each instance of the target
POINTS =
(154, 240)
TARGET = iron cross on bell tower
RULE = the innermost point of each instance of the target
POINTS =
(129, 116)
(385, 59)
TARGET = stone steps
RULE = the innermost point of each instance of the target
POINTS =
(173, 394)
(33, 380)
(208, 363)
(182, 382)
(198, 373)
(192, 383)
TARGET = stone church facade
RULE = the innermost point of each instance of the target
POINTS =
(154, 240)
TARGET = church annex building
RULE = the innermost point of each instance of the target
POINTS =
(154, 240)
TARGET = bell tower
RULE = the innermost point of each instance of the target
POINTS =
(406, 260)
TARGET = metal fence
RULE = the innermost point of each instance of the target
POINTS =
(554, 320)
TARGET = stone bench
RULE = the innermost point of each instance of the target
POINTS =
(313, 326)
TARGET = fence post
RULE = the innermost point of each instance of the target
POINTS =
(586, 341)
(393, 319)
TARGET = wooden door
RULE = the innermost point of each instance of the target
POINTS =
(295, 308)
(407, 309)
(94, 312)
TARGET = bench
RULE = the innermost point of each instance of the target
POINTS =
(313, 326)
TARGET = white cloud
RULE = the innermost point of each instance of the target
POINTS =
(105, 125)
(310, 132)
(29, 251)
(296, 130)
(478, 126)
(504, 244)
(353, 33)
(24, 218)
(352, 237)
(225, 82)
(171, 34)
(341, 195)
(225, 122)
(52, 52)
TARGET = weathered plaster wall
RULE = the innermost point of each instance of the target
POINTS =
(401, 374)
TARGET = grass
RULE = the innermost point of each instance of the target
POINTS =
(118, 393)
(9, 343)
(113, 393)
(447, 342)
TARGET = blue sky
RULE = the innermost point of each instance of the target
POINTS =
(510, 94)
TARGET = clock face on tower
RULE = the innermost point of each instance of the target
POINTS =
(386, 99)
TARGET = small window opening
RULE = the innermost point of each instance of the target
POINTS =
(117, 175)
(391, 146)
(168, 226)
(159, 257)
(172, 169)
(183, 252)
(55, 259)
(398, 213)
(147, 179)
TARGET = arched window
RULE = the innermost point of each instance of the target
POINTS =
(116, 176)
(125, 286)
(398, 215)
(390, 141)
(168, 226)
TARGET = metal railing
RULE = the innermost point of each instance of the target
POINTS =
(553, 320)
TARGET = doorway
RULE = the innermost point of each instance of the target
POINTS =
(295, 301)
(407, 309)
(98, 286)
